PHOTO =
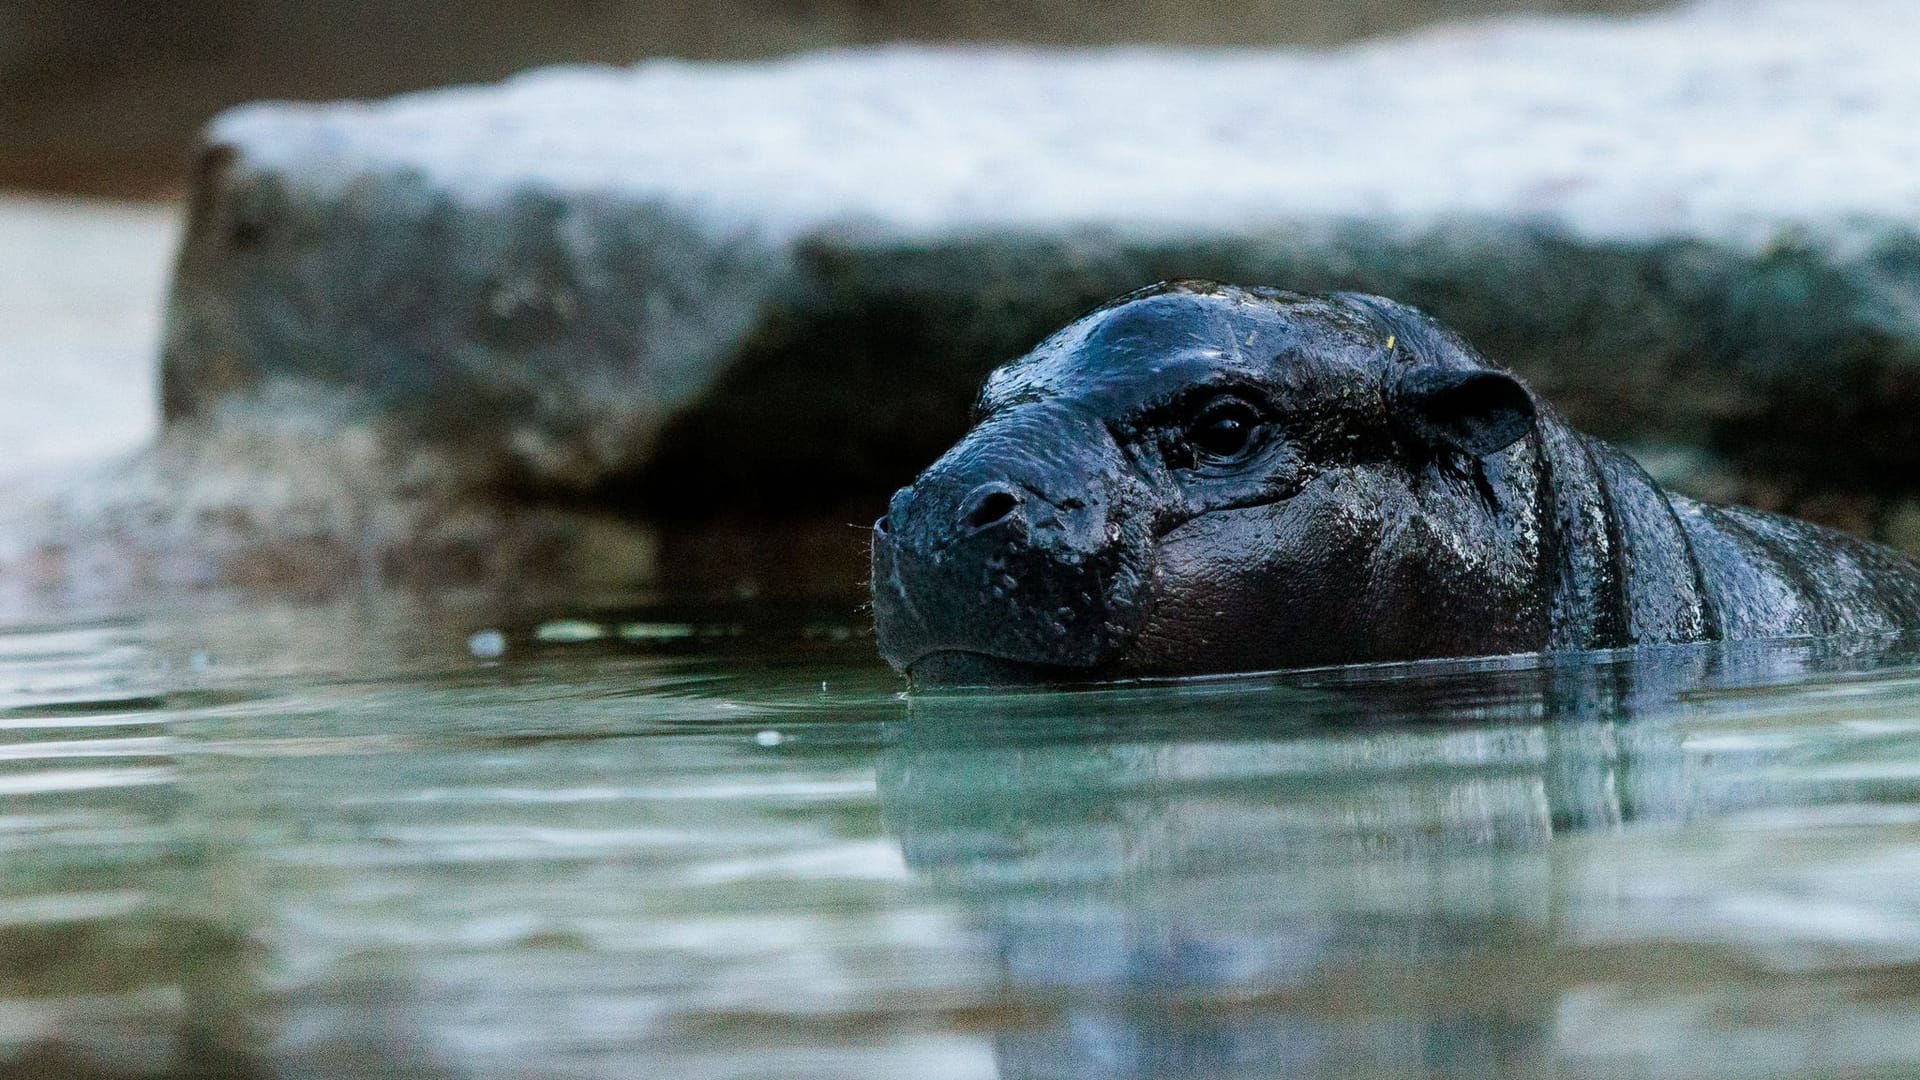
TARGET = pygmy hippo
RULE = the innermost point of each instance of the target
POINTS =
(1200, 478)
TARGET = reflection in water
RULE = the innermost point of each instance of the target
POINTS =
(1411, 871)
(702, 843)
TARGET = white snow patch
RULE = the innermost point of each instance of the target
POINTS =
(1720, 120)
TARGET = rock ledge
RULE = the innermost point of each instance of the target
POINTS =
(775, 286)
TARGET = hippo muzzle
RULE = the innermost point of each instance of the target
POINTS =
(1018, 556)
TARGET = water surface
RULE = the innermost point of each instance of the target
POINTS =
(351, 840)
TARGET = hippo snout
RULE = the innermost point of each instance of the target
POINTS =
(1012, 558)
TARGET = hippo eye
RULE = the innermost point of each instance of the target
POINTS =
(1224, 431)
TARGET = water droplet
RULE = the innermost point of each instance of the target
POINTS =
(569, 630)
(658, 631)
(487, 645)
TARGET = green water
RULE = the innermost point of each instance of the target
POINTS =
(335, 842)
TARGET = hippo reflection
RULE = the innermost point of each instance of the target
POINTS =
(1201, 478)
(1356, 872)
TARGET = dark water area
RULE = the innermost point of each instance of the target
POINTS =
(383, 838)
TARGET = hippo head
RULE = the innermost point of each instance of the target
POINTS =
(1199, 478)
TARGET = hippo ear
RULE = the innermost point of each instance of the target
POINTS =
(1476, 412)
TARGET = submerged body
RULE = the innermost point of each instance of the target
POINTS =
(1199, 478)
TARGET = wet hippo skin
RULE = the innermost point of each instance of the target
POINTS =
(1200, 478)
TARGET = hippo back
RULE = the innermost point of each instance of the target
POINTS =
(1636, 565)
(1623, 568)
(1771, 576)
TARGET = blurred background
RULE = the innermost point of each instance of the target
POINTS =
(1690, 230)
(104, 97)
(101, 104)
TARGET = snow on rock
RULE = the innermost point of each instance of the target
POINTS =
(777, 284)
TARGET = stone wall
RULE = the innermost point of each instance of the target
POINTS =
(772, 288)
(104, 96)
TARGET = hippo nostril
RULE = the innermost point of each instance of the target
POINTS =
(896, 514)
(988, 505)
